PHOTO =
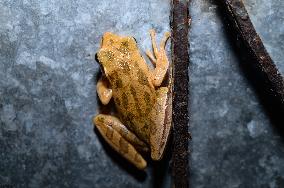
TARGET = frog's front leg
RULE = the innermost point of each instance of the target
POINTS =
(104, 91)
(162, 118)
(159, 59)
(121, 139)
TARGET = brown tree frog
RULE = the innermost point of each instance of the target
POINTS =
(144, 108)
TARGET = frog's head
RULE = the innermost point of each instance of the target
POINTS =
(119, 43)
(114, 49)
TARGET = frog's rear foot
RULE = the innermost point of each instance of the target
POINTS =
(121, 139)
(159, 58)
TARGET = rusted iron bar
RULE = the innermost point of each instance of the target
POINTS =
(180, 20)
(249, 41)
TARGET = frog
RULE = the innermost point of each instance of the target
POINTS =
(143, 118)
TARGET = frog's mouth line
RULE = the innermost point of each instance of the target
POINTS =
(101, 67)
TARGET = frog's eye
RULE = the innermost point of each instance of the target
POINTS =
(133, 43)
(134, 40)
(96, 58)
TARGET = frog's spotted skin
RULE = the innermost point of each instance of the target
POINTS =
(144, 108)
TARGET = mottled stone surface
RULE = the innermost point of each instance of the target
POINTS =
(47, 90)
(48, 97)
(234, 142)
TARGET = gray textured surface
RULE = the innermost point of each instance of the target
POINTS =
(234, 143)
(47, 95)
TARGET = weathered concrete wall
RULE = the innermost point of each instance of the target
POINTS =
(48, 97)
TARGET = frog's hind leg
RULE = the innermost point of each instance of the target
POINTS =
(159, 59)
(104, 91)
(121, 139)
(161, 127)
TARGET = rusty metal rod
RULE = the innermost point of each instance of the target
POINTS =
(242, 28)
(180, 20)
